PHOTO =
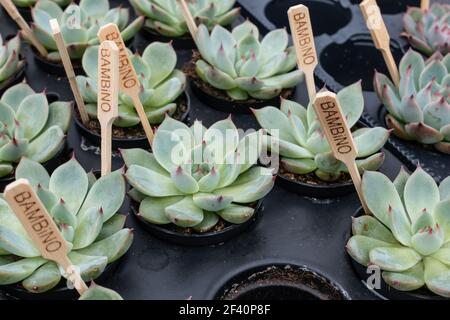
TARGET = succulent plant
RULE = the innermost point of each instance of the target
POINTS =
(96, 292)
(30, 3)
(428, 31)
(30, 126)
(85, 210)
(161, 84)
(10, 63)
(240, 64)
(408, 236)
(196, 175)
(166, 18)
(419, 108)
(79, 25)
(303, 146)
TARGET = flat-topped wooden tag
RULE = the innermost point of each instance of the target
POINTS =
(41, 228)
(424, 4)
(128, 80)
(108, 97)
(339, 136)
(305, 47)
(67, 63)
(192, 26)
(17, 17)
(380, 35)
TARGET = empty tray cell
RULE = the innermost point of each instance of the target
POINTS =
(335, 15)
(355, 59)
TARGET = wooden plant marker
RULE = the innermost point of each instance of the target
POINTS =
(17, 17)
(305, 48)
(380, 36)
(69, 71)
(425, 4)
(108, 97)
(192, 26)
(339, 137)
(128, 80)
(41, 228)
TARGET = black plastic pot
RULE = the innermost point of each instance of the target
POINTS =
(25, 12)
(279, 281)
(385, 291)
(50, 165)
(242, 107)
(198, 239)
(53, 67)
(316, 191)
(180, 43)
(15, 79)
(118, 143)
(60, 292)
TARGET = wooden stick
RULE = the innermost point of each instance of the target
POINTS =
(425, 4)
(17, 17)
(129, 82)
(339, 137)
(305, 48)
(108, 97)
(67, 63)
(380, 36)
(41, 228)
(192, 26)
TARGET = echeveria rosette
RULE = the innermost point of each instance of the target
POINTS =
(92, 15)
(210, 180)
(30, 126)
(161, 84)
(30, 3)
(408, 236)
(303, 146)
(166, 18)
(242, 65)
(419, 108)
(10, 63)
(428, 31)
(85, 210)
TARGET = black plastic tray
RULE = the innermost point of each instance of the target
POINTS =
(292, 228)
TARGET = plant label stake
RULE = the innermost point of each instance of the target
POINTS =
(192, 26)
(380, 35)
(424, 4)
(17, 17)
(108, 98)
(305, 48)
(41, 228)
(339, 137)
(128, 80)
(69, 70)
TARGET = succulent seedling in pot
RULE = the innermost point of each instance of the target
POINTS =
(84, 210)
(408, 235)
(161, 84)
(79, 25)
(30, 127)
(197, 177)
(303, 146)
(428, 30)
(10, 63)
(418, 109)
(241, 66)
(166, 17)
